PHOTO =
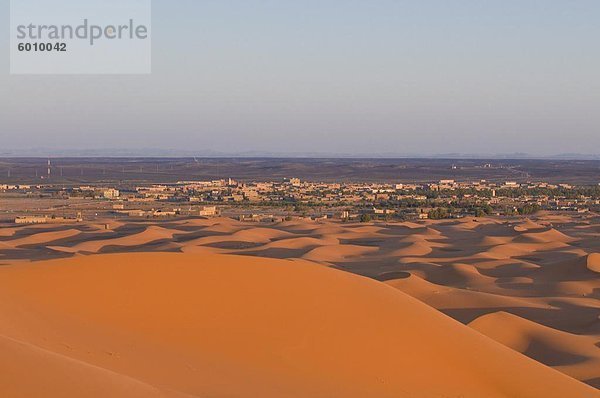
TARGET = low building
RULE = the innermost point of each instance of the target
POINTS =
(111, 194)
(208, 211)
(164, 213)
(32, 220)
(136, 213)
(47, 220)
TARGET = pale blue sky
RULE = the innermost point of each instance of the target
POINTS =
(371, 76)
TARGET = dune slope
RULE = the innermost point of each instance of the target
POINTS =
(178, 325)
(54, 375)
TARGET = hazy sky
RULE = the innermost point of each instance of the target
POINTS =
(348, 76)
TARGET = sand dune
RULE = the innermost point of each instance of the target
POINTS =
(42, 237)
(258, 236)
(223, 225)
(29, 371)
(337, 252)
(529, 225)
(419, 246)
(150, 234)
(593, 262)
(495, 240)
(206, 321)
(543, 271)
(549, 236)
(7, 232)
(302, 243)
(572, 354)
(578, 269)
(445, 297)
(262, 235)
(457, 274)
(511, 250)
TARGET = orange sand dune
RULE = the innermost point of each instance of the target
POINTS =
(327, 230)
(56, 375)
(299, 226)
(223, 225)
(578, 288)
(249, 235)
(593, 262)
(545, 270)
(571, 354)
(529, 225)
(177, 325)
(579, 269)
(259, 235)
(417, 237)
(510, 250)
(207, 240)
(301, 243)
(106, 226)
(551, 235)
(35, 228)
(151, 234)
(467, 224)
(456, 274)
(195, 249)
(445, 297)
(431, 232)
(411, 225)
(42, 237)
(495, 240)
(337, 252)
(5, 232)
(471, 224)
(419, 246)
(364, 229)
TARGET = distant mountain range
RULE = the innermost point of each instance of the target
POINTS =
(174, 153)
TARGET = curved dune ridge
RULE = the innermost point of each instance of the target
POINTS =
(175, 325)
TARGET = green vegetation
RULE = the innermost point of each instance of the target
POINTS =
(529, 209)
(439, 214)
(365, 218)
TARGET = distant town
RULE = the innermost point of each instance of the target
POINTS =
(291, 198)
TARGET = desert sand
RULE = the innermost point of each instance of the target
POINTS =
(212, 308)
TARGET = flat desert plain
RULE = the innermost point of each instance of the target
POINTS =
(465, 308)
